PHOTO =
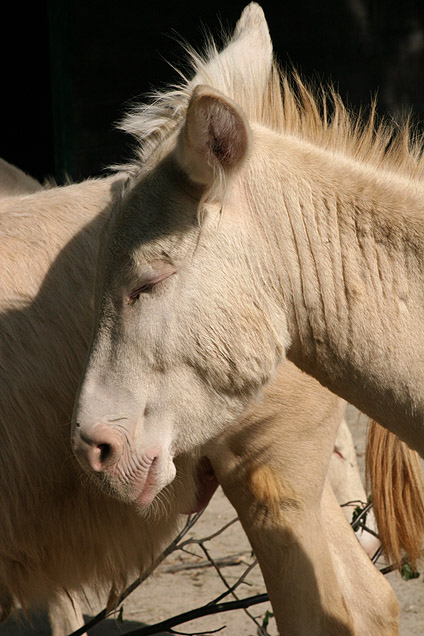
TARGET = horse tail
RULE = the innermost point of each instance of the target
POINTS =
(397, 489)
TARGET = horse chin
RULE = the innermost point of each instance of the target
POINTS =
(141, 489)
(206, 483)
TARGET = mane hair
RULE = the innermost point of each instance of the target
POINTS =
(289, 106)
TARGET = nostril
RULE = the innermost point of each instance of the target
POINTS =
(105, 452)
(99, 448)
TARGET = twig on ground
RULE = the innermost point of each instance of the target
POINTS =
(204, 610)
(215, 606)
(192, 519)
(231, 589)
(212, 631)
(235, 559)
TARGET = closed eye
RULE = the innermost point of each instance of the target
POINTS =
(143, 289)
(135, 295)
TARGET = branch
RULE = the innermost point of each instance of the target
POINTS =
(230, 590)
(210, 537)
(222, 562)
(213, 607)
(192, 519)
(205, 610)
(357, 521)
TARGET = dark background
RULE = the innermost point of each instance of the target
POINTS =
(72, 66)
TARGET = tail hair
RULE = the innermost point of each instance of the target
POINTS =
(395, 479)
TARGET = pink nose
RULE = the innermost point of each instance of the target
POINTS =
(100, 448)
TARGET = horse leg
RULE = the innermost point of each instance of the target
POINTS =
(290, 544)
(369, 595)
(345, 480)
(273, 467)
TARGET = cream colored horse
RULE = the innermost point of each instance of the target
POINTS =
(258, 222)
(13, 181)
(59, 532)
(305, 547)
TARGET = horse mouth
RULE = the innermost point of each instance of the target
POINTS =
(149, 490)
(142, 489)
(207, 483)
(138, 482)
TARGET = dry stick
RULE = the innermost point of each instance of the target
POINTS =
(235, 559)
(377, 554)
(192, 519)
(200, 543)
(215, 564)
(175, 545)
(231, 590)
(353, 502)
(205, 610)
(210, 631)
(210, 537)
(361, 515)
(394, 566)
(211, 608)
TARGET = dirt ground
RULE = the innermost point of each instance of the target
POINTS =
(168, 593)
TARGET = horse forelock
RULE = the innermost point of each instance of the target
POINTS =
(279, 100)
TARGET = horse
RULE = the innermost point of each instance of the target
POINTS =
(59, 531)
(259, 222)
(13, 181)
(55, 532)
(280, 489)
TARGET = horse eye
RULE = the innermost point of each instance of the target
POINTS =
(166, 272)
(135, 295)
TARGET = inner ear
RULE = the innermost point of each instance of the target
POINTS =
(216, 135)
(222, 128)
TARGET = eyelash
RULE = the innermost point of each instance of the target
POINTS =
(135, 295)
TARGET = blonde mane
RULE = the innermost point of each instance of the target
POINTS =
(288, 105)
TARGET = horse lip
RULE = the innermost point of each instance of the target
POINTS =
(148, 491)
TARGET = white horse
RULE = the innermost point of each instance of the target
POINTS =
(56, 532)
(13, 181)
(258, 222)
(318, 578)
(59, 532)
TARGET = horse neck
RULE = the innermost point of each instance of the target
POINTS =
(351, 245)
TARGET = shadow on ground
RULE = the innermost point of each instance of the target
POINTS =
(39, 626)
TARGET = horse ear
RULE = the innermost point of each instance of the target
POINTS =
(215, 137)
(250, 45)
(246, 60)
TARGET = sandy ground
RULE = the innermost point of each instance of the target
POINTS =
(169, 593)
